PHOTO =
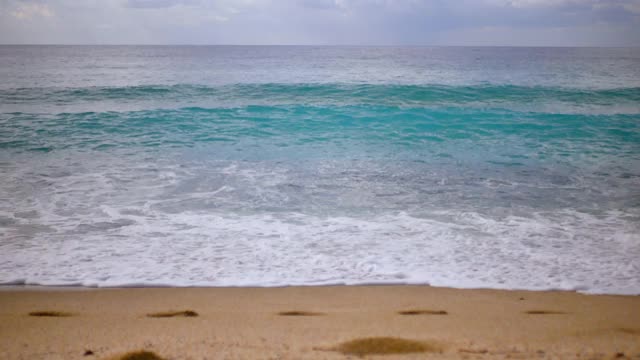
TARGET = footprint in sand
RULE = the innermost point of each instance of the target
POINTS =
(629, 331)
(544, 312)
(385, 346)
(50, 314)
(299, 313)
(168, 314)
(422, 312)
(138, 355)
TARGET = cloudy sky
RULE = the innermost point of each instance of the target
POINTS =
(362, 22)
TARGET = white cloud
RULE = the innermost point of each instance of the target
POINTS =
(633, 6)
(546, 3)
(421, 22)
(540, 4)
(30, 10)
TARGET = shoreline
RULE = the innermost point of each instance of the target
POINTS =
(81, 288)
(37, 287)
(252, 322)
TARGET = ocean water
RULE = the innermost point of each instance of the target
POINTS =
(510, 168)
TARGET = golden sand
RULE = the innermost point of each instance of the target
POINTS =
(377, 322)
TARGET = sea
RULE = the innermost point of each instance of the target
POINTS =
(465, 167)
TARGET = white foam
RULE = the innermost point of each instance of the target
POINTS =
(568, 251)
(104, 223)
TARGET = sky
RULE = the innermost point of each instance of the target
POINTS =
(323, 22)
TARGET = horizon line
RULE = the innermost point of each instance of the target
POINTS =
(329, 45)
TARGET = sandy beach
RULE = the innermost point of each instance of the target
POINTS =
(315, 323)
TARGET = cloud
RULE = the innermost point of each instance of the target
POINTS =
(524, 4)
(30, 10)
(633, 7)
(547, 3)
(320, 4)
(157, 4)
(414, 22)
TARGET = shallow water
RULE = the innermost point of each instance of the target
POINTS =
(465, 167)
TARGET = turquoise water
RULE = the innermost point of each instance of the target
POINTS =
(467, 167)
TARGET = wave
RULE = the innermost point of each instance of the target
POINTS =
(276, 184)
(365, 126)
(344, 94)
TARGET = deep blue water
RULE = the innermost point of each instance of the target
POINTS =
(222, 165)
